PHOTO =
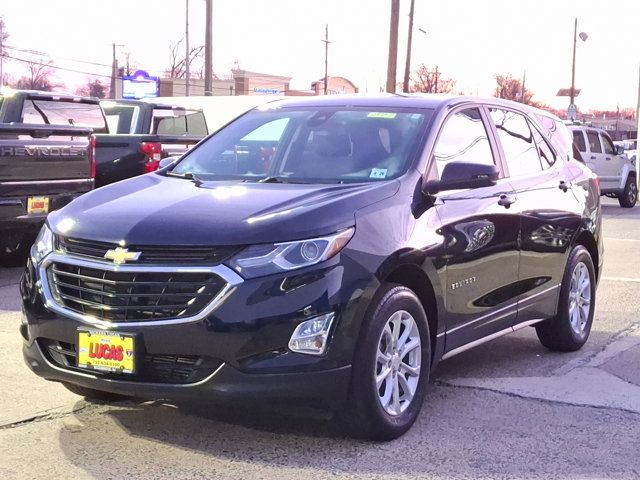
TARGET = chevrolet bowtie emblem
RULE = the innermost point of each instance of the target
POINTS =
(121, 255)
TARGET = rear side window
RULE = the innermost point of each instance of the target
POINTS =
(547, 157)
(463, 139)
(518, 144)
(61, 112)
(578, 139)
(608, 146)
(121, 118)
(179, 122)
(594, 142)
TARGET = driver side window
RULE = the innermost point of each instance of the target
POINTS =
(462, 139)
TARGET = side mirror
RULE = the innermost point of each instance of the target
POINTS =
(619, 149)
(165, 162)
(462, 175)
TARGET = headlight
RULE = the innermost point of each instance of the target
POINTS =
(259, 260)
(43, 245)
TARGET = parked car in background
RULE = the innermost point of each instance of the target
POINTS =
(630, 147)
(141, 134)
(46, 160)
(327, 250)
(616, 171)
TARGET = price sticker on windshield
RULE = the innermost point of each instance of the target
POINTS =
(378, 173)
(381, 115)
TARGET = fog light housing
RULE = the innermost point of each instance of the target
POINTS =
(311, 336)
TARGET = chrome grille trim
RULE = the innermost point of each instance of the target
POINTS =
(231, 278)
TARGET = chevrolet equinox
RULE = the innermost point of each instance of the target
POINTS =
(326, 251)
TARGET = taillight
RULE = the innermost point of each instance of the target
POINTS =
(597, 179)
(153, 151)
(92, 156)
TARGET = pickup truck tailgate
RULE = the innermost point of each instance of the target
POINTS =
(44, 152)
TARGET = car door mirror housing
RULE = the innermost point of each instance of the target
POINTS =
(462, 175)
(619, 149)
(165, 162)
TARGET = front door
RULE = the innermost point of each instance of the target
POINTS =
(481, 237)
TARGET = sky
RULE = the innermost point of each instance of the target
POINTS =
(469, 40)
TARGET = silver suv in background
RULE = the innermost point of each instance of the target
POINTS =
(616, 171)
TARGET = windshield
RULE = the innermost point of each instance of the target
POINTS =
(324, 145)
(63, 112)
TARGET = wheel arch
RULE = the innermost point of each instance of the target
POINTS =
(588, 241)
(415, 278)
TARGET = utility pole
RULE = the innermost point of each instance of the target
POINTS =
(1, 55)
(186, 58)
(573, 64)
(208, 73)
(114, 73)
(326, 58)
(392, 64)
(407, 66)
(437, 75)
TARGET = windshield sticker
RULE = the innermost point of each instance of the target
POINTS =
(381, 115)
(378, 173)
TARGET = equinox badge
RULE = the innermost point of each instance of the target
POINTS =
(121, 255)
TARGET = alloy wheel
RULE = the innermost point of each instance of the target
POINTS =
(398, 362)
(580, 298)
(633, 192)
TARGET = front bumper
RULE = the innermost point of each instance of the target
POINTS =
(324, 389)
(247, 333)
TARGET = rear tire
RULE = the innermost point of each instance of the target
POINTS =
(91, 394)
(629, 196)
(391, 366)
(569, 330)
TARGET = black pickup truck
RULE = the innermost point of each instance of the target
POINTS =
(42, 166)
(141, 134)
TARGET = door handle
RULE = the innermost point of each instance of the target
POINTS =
(563, 186)
(607, 158)
(506, 201)
(593, 157)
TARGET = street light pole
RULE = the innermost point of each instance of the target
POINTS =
(208, 70)
(573, 64)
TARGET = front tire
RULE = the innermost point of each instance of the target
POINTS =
(569, 330)
(629, 196)
(91, 394)
(391, 366)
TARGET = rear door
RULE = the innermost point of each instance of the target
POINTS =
(481, 236)
(548, 210)
(613, 164)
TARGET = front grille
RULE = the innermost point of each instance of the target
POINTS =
(132, 296)
(149, 254)
(153, 368)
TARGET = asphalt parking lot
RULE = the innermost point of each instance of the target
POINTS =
(508, 409)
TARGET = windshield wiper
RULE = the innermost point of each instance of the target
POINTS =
(187, 176)
(271, 180)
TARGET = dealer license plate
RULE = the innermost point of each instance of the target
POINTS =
(37, 205)
(106, 351)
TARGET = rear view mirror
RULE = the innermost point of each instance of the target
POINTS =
(165, 162)
(461, 175)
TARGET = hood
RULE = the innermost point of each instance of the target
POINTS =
(157, 210)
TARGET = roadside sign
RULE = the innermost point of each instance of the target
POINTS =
(572, 111)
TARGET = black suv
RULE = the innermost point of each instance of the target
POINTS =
(329, 251)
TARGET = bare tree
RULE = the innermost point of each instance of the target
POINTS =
(177, 60)
(39, 76)
(93, 88)
(511, 88)
(427, 80)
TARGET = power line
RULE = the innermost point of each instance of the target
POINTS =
(44, 54)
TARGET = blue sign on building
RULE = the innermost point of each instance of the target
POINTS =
(140, 85)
